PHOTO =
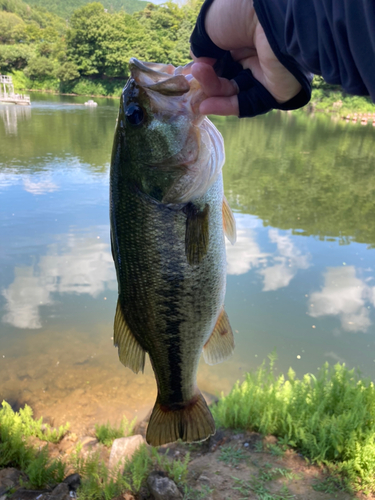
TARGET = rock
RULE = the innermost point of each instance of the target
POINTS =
(163, 488)
(73, 481)
(24, 494)
(204, 480)
(72, 436)
(88, 444)
(124, 448)
(61, 492)
(10, 478)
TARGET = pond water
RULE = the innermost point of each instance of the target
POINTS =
(300, 277)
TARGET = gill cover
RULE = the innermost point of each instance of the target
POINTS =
(169, 143)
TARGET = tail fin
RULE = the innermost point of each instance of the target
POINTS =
(191, 421)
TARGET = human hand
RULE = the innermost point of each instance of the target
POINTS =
(234, 26)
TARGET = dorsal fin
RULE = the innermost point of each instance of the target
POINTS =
(130, 352)
(229, 222)
(220, 345)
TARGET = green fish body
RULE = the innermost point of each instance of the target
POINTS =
(167, 209)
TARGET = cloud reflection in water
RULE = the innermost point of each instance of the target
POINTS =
(346, 296)
(278, 269)
(85, 266)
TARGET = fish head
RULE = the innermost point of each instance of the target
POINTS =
(160, 128)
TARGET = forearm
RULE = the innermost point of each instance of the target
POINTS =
(332, 38)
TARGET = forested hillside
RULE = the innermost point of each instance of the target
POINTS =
(65, 8)
(89, 52)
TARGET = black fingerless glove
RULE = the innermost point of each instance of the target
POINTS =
(253, 98)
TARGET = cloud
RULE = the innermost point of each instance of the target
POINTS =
(85, 267)
(289, 261)
(343, 295)
(24, 297)
(41, 187)
(245, 254)
(278, 269)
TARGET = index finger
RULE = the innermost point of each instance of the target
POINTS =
(211, 84)
(206, 60)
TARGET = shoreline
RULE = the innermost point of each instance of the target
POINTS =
(326, 105)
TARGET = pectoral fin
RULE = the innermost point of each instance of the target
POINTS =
(131, 354)
(196, 236)
(220, 345)
(229, 222)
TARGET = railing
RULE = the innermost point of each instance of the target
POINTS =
(5, 79)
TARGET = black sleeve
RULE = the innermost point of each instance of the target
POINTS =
(332, 38)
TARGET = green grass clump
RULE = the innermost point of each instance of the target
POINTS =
(232, 456)
(15, 452)
(42, 471)
(106, 434)
(23, 422)
(99, 483)
(329, 418)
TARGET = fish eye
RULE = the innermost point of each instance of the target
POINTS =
(134, 114)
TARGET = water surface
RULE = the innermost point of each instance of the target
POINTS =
(300, 277)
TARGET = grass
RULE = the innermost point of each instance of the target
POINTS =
(232, 456)
(99, 483)
(24, 423)
(15, 428)
(330, 418)
(202, 494)
(258, 487)
(106, 434)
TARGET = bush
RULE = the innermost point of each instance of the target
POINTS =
(87, 86)
(329, 418)
(39, 68)
(66, 72)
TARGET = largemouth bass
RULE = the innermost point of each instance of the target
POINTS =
(168, 217)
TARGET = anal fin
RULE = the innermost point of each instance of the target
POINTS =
(229, 222)
(196, 236)
(131, 354)
(220, 345)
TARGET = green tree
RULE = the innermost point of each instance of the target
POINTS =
(15, 56)
(39, 67)
(8, 24)
(67, 72)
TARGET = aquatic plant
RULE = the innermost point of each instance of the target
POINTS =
(106, 434)
(330, 418)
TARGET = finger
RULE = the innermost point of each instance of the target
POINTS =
(243, 53)
(206, 60)
(210, 83)
(223, 106)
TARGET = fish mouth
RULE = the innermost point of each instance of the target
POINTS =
(167, 81)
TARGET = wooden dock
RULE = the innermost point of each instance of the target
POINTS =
(7, 95)
(23, 100)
